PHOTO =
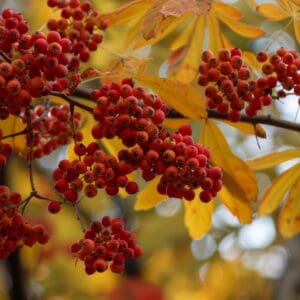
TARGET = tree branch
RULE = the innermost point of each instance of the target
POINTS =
(263, 119)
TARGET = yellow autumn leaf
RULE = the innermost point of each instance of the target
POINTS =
(240, 208)
(197, 217)
(277, 190)
(189, 66)
(215, 42)
(185, 36)
(272, 159)
(125, 12)
(297, 27)
(241, 28)
(230, 11)
(11, 126)
(296, 2)
(175, 123)
(247, 128)
(289, 217)
(236, 171)
(272, 11)
(182, 97)
(148, 197)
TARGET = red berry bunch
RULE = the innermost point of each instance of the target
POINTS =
(128, 112)
(106, 244)
(94, 170)
(285, 65)
(14, 230)
(76, 27)
(52, 129)
(5, 151)
(134, 116)
(34, 65)
(229, 88)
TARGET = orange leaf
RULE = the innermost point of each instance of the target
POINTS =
(148, 197)
(197, 217)
(175, 123)
(125, 12)
(226, 9)
(289, 217)
(272, 11)
(177, 8)
(272, 159)
(182, 97)
(277, 190)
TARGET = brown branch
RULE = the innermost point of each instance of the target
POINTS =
(72, 101)
(24, 131)
(263, 119)
(78, 217)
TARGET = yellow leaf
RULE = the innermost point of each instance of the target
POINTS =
(215, 42)
(189, 66)
(247, 128)
(272, 11)
(184, 37)
(240, 208)
(241, 28)
(149, 197)
(197, 217)
(13, 125)
(277, 190)
(289, 217)
(125, 12)
(182, 97)
(272, 159)
(226, 9)
(236, 172)
(175, 123)
(297, 27)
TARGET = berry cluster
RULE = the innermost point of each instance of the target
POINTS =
(5, 151)
(14, 230)
(285, 64)
(52, 129)
(106, 244)
(95, 169)
(31, 66)
(134, 116)
(229, 88)
(75, 25)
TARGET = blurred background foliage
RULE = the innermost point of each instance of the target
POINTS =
(233, 261)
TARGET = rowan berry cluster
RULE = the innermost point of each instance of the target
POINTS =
(15, 232)
(94, 170)
(76, 26)
(31, 66)
(5, 151)
(284, 64)
(52, 128)
(229, 87)
(133, 115)
(106, 244)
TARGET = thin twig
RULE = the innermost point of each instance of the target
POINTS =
(24, 131)
(78, 217)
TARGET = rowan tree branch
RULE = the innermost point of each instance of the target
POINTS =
(263, 119)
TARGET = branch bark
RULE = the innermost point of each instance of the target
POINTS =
(262, 119)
